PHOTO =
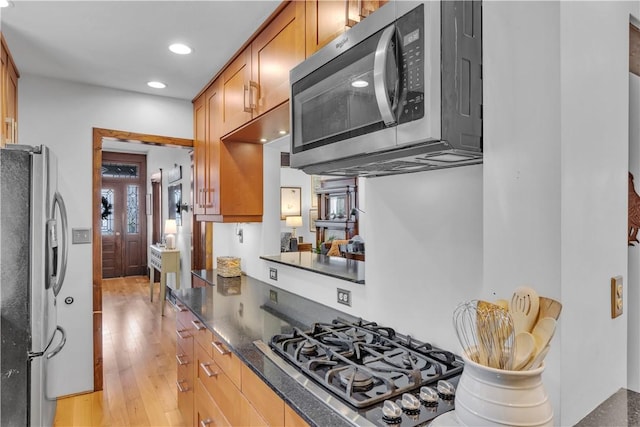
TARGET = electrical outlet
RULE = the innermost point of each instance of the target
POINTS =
(616, 297)
(273, 273)
(344, 297)
(273, 296)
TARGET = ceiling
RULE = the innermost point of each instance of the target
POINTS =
(124, 44)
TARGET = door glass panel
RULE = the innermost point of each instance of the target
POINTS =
(132, 209)
(107, 211)
(113, 170)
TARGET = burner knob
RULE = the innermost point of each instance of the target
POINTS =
(391, 411)
(429, 396)
(410, 404)
(446, 390)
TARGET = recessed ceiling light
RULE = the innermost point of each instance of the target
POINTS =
(283, 132)
(156, 85)
(263, 140)
(5, 3)
(359, 83)
(180, 49)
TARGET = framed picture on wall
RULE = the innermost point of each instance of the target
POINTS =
(315, 183)
(290, 202)
(313, 215)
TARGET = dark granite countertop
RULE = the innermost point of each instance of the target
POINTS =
(621, 409)
(341, 268)
(241, 311)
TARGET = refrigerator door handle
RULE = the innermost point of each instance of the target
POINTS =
(57, 276)
(55, 351)
(63, 341)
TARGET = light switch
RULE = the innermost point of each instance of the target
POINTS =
(80, 235)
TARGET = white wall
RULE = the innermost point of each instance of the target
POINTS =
(595, 160)
(62, 115)
(556, 159)
(522, 163)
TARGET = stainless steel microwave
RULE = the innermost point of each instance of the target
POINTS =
(374, 101)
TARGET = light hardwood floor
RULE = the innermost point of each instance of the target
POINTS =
(139, 363)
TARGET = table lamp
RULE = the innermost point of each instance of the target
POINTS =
(293, 222)
(170, 230)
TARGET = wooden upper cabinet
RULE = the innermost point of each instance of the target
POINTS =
(200, 155)
(274, 52)
(213, 97)
(236, 92)
(258, 79)
(228, 177)
(8, 97)
(327, 19)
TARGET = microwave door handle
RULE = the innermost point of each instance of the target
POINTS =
(380, 76)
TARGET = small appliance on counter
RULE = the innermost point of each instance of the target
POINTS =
(368, 373)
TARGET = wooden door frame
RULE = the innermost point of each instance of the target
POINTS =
(98, 135)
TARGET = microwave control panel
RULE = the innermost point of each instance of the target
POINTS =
(410, 30)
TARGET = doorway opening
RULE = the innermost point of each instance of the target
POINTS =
(97, 144)
(124, 220)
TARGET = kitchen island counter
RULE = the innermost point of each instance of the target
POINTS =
(252, 312)
(338, 267)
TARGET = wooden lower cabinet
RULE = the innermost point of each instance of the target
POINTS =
(266, 402)
(292, 419)
(216, 389)
(249, 416)
(205, 411)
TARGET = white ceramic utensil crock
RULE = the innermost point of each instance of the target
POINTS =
(489, 397)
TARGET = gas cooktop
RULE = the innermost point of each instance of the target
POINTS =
(378, 377)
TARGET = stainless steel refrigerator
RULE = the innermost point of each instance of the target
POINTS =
(33, 259)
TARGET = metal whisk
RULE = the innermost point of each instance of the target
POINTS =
(464, 322)
(486, 333)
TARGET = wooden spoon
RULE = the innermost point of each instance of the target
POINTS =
(549, 308)
(524, 306)
(525, 350)
(538, 359)
(543, 332)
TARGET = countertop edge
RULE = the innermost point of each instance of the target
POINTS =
(274, 258)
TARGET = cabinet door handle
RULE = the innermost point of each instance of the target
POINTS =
(218, 346)
(205, 423)
(245, 92)
(205, 368)
(180, 388)
(180, 361)
(9, 130)
(198, 325)
(180, 332)
(253, 86)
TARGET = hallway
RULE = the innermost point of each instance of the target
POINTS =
(139, 363)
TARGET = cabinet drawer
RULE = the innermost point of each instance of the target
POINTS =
(226, 360)
(219, 386)
(206, 412)
(267, 403)
(184, 384)
(202, 335)
(184, 342)
(184, 316)
(249, 416)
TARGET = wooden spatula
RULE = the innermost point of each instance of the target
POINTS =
(524, 307)
(548, 307)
